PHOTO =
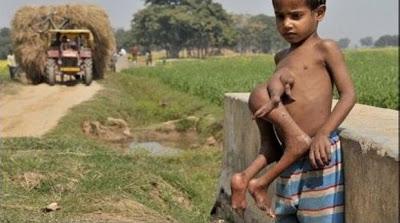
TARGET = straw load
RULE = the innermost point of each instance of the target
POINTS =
(30, 39)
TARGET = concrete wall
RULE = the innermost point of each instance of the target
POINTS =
(371, 159)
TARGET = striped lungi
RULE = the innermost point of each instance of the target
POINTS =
(312, 195)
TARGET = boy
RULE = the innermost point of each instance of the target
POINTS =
(309, 190)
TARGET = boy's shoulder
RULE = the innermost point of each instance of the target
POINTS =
(280, 55)
(326, 45)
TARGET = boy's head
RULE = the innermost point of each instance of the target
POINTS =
(296, 20)
(312, 4)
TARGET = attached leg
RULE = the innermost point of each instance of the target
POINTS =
(296, 143)
(269, 152)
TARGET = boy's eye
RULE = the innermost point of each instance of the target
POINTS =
(296, 16)
(279, 16)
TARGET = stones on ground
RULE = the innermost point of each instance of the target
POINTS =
(211, 141)
(51, 207)
(178, 125)
(116, 122)
(114, 129)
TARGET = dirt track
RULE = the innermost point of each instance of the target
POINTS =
(34, 110)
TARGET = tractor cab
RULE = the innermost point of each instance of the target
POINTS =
(69, 52)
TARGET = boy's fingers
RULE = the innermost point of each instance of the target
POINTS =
(318, 158)
(324, 156)
(312, 159)
(328, 153)
(258, 112)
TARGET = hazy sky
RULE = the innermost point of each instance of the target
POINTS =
(345, 18)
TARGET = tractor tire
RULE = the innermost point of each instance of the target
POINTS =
(51, 71)
(88, 71)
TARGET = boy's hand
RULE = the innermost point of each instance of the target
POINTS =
(265, 109)
(320, 151)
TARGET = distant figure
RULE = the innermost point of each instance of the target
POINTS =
(57, 41)
(114, 60)
(81, 41)
(134, 52)
(122, 52)
(64, 43)
(149, 58)
(12, 64)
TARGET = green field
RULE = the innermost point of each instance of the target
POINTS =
(374, 71)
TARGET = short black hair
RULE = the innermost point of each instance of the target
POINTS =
(313, 4)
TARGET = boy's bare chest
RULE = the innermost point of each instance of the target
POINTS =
(305, 64)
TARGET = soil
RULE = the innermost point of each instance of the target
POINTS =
(35, 109)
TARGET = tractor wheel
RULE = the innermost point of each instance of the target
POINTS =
(51, 71)
(88, 71)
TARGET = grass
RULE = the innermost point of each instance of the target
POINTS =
(86, 176)
(4, 76)
(374, 71)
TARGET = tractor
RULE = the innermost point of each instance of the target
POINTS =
(69, 52)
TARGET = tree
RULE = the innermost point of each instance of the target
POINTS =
(257, 34)
(387, 40)
(124, 38)
(5, 42)
(343, 43)
(177, 24)
(367, 41)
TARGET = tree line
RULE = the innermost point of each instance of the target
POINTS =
(203, 28)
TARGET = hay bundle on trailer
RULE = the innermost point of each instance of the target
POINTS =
(29, 35)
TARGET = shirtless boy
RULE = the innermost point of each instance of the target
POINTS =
(309, 189)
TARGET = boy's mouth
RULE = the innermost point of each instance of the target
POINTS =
(290, 34)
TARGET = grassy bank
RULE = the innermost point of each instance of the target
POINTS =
(101, 181)
(374, 71)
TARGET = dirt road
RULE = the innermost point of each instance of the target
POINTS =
(34, 110)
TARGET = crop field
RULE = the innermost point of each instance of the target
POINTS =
(3, 67)
(4, 75)
(374, 71)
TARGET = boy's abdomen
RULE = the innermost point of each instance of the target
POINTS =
(310, 110)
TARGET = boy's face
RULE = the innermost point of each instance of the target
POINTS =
(295, 20)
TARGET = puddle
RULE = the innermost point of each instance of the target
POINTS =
(153, 148)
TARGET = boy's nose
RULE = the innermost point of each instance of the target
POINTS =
(287, 23)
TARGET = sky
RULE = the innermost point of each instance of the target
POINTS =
(353, 19)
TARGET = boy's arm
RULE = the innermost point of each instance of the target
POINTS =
(320, 146)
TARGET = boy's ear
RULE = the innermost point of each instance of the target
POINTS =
(320, 12)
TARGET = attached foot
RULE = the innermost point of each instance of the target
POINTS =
(259, 193)
(238, 186)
